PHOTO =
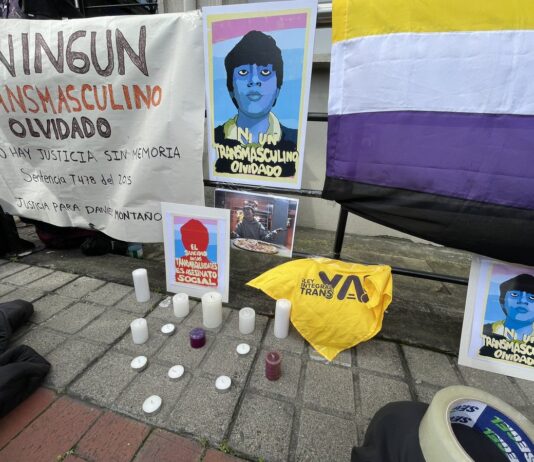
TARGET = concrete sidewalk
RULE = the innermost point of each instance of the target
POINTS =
(316, 412)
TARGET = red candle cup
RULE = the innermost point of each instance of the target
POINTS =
(273, 365)
(197, 337)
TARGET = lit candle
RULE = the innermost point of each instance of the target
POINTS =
(139, 329)
(176, 372)
(223, 383)
(152, 405)
(139, 363)
(180, 303)
(197, 337)
(281, 318)
(212, 310)
(247, 319)
(140, 280)
(273, 368)
(168, 329)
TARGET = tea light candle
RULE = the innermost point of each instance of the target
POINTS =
(273, 368)
(212, 310)
(223, 383)
(139, 363)
(180, 304)
(152, 405)
(165, 302)
(281, 318)
(243, 349)
(176, 372)
(168, 329)
(139, 329)
(140, 280)
(247, 319)
(197, 337)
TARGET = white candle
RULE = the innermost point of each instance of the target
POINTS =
(152, 404)
(212, 310)
(243, 349)
(139, 329)
(176, 372)
(223, 383)
(168, 329)
(139, 363)
(281, 318)
(140, 279)
(247, 319)
(180, 304)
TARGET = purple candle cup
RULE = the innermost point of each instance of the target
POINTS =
(197, 337)
(273, 365)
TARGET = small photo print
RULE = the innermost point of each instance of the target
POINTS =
(260, 223)
(498, 330)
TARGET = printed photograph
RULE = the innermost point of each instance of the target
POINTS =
(258, 64)
(259, 222)
(499, 318)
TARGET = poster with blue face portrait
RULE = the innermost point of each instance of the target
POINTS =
(258, 60)
(498, 328)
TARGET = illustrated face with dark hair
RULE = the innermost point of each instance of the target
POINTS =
(255, 89)
(519, 306)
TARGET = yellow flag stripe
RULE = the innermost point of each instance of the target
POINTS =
(360, 18)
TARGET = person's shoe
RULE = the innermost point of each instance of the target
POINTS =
(12, 316)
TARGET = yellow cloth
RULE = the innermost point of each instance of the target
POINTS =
(335, 305)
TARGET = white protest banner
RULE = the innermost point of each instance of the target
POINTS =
(101, 120)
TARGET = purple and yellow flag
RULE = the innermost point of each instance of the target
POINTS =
(431, 120)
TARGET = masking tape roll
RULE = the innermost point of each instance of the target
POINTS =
(476, 409)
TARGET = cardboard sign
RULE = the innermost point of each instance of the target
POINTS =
(101, 120)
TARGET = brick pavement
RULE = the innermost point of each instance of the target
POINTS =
(91, 408)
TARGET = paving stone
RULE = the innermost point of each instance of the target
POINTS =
(2, 261)
(293, 342)
(528, 412)
(53, 433)
(162, 446)
(324, 437)
(22, 293)
(231, 328)
(80, 287)
(149, 348)
(177, 349)
(129, 303)
(496, 384)
(425, 393)
(108, 294)
(104, 381)
(329, 387)
(166, 314)
(112, 437)
(223, 359)
(263, 428)
(203, 411)
(53, 281)
(74, 318)
(48, 306)
(73, 458)
(376, 392)
(344, 358)
(380, 356)
(195, 318)
(217, 456)
(108, 327)
(5, 289)
(25, 277)
(431, 367)
(41, 340)
(68, 360)
(287, 384)
(151, 381)
(11, 268)
(20, 417)
(528, 388)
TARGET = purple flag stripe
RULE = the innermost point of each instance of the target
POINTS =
(481, 157)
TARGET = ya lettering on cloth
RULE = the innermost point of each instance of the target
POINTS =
(335, 305)
(431, 115)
